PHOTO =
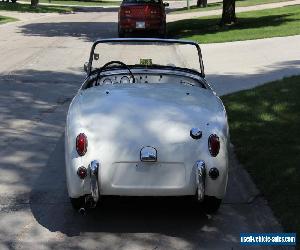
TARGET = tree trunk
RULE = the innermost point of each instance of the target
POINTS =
(228, 14)
(201, 3)
(34, 3)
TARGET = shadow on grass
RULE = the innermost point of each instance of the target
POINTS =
(210, 26)
(204, 26)
(264, 122)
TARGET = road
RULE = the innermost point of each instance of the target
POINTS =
(40, 71)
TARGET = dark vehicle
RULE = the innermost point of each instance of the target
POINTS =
(147, 16)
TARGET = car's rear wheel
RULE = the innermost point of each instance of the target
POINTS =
(13, 1)
(121, 32)
(211, 204)
(77, 203)
(162, 33)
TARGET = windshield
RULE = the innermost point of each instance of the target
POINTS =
(147, 53)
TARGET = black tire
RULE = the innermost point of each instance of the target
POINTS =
(77, 203)
(13, 1)
(121, 33)
(211, 204)
(163, 32)
(162, 35)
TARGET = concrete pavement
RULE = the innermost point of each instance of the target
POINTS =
(40, 71)
(235, 66)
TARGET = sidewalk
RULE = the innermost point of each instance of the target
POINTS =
(176, 17)
(235, 66)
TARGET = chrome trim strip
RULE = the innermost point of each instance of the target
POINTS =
(200, 179)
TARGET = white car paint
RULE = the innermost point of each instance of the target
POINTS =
(119, 120)
(148, 117)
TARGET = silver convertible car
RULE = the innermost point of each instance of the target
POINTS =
(145, 122)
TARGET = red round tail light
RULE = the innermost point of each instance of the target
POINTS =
(213, 145)
(82, 172)
(81, 144)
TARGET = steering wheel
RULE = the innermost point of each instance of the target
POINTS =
(111, 63)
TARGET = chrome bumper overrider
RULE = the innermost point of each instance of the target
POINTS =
(92, 199)
(200, 180)
(94, 168)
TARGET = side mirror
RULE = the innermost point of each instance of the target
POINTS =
(166, 4)
(86, 66)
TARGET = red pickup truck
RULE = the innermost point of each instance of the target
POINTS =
(147, 16)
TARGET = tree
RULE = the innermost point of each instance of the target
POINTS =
(201, 3)
(34, 3)
(228, 14)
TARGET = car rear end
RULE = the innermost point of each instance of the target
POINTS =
(152, 152)
(142, 16)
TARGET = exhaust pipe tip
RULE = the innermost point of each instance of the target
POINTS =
(89, 202)
(82, 211)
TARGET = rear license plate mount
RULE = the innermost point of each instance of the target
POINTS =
(140, 25)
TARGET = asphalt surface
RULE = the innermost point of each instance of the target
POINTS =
(41, 62)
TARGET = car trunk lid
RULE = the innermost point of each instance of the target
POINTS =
(121, 120)
(140, 11)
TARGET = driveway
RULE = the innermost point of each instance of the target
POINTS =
(40, 71)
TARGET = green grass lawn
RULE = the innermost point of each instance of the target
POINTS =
(5, 19)
(81, 2)
(265, 130)
(284, 21)
(27, 8)
(219, 5)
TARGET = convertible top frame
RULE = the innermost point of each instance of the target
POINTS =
(146, 40)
